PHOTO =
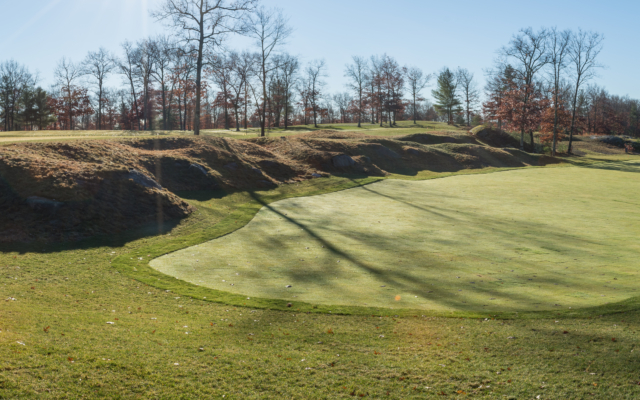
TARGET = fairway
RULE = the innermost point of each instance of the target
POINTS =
(521, 240)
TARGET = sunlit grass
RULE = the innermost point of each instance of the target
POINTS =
(402, 128)
(55, 341)
(523, 240)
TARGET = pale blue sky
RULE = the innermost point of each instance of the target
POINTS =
(421, 33)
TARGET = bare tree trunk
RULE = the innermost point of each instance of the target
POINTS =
(264, 97)
(70, 109)
(533, 145)
(235, 111)
(196, 112)
(226, 113)
(286, 111)
(415, 116)
(573, 118)
(246, 126)
(164, 108)
(180, 113)
(555, 121)
(100, 105)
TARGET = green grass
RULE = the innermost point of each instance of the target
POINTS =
(65, 295)
(402, 128)
(517, 241)
(7, 138)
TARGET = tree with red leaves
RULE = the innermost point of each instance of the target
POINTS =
(522, 108)
(554, 124)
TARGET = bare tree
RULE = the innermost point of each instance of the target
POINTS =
(128, 67)
(204, 23)
(342, 100)
(528, 50)
(165, 58)
(66, 74)
(270, 30)
(184, 69)
(417, 81)
(392, 83)
(14, 80)
(558, 47)
(145, 60)
(222, 69)
(584, 49)
(315, 72)
(470, 95)
(376, 81)
(249, 60)
(241, 66)
(99, 65)
(357, 73)
(289, 67)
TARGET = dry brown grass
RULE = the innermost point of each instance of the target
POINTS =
(92, 179)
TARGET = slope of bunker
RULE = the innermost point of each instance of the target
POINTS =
(534, 239)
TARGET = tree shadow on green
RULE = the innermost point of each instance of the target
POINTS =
(406, 280)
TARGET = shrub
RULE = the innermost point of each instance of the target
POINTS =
(613, 141)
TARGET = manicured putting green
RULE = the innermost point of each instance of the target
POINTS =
(521, 240)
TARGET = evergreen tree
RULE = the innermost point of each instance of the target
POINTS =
(43, 115)
(35, 110)
(447, 101)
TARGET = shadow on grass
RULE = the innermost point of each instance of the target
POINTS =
(108, 240)
(623, 166)
(441, 292)
(203, 195)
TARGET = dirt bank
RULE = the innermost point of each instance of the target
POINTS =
(73, 190)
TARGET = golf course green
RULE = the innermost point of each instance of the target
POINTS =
(520, 240)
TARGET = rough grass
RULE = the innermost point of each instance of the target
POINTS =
(517, 241)
(402, 128)
(55, 341)
(7, 138)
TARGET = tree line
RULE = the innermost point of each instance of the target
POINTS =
(189, 80)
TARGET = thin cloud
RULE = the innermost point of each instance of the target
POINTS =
(28, 24)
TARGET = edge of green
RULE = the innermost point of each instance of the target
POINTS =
(130, 266)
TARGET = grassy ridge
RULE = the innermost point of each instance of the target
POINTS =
(403, 128)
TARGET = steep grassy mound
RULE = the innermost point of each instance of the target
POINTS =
(58, 192)
(494, 137)
(71, 190)
(357, 153)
